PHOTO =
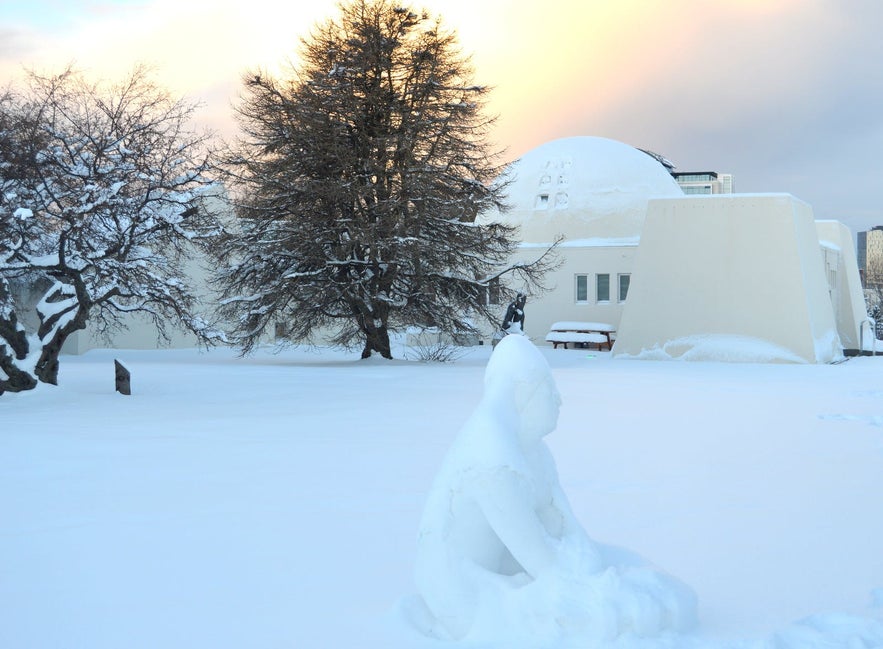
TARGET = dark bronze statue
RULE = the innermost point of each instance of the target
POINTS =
(514, 320)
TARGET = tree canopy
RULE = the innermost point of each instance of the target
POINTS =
(357, 181)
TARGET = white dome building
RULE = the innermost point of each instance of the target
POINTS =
(593, 192)
(584, 188)
(695, 294)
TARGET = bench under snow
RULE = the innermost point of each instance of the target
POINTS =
(580, 333)
(578, 325)
(564, 337)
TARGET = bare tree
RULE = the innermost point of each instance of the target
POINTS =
(357, 182)
(102, 201)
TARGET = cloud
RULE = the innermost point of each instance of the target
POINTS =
(785, 94)
(14, 44)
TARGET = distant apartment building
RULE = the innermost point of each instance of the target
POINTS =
(704, 182)
(869, 254)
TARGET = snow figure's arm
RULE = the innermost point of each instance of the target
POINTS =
(561, 505)
(577, 552)
(507, 501)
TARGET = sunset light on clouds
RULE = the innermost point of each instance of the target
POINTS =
(784, 94)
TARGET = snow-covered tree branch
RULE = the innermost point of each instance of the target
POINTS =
(103, 199)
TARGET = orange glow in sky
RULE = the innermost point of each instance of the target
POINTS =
(739, 86)
(544, 59)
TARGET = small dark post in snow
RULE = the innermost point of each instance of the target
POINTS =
(123, 378)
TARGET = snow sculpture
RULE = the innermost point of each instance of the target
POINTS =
(500, 555)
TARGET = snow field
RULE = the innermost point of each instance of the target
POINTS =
(274, 501)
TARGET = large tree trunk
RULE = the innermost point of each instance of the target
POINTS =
(47, 365)
(377, 340)
(372, 322)
(17, 379)
(14, 347)
(52, 337)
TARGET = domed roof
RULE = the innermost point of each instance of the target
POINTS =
(584, 188)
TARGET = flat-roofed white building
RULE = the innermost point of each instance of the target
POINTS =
(704, 182)
(731, 276)
(744, 277)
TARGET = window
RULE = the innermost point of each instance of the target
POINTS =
(602, 287)
(582, 288)
(624, 279)
(492, 292)
(542, 202)
(832, 286)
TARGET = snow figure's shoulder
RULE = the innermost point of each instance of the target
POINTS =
(487, 442)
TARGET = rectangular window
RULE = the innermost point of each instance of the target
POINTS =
(493, 291)
(490, 293)
(602, 287)
(582, 288)
(624, 279)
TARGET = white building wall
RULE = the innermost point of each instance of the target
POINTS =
(733, 267)
(560, 303)
(139, 332)
(846, 292)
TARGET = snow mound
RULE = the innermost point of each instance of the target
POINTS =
(718, 347)
(501, 557)
(828, 631)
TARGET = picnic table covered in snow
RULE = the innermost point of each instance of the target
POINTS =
(580, 333)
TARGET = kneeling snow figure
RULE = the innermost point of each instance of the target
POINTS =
(501, 558)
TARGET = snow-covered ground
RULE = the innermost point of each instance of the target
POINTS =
(274, 501)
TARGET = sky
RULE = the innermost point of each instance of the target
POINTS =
(787, 95)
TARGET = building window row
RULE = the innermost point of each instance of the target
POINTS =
(705, 182)
(602, 288)
(697, 189)
(693, 178)
(543, 201)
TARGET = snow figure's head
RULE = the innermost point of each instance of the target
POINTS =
(518, 377)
